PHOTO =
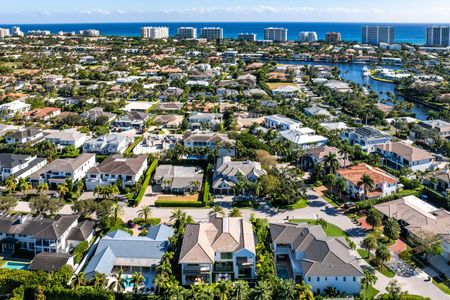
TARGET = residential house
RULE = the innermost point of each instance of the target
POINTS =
(11, 109)
(51, 262)
(116, 167)
(228, 172)
(304, 137)
(25, 135)
(66, 138)
(198, 120)
(438, 180)
(171, 92)
(131, 120)
(39, 234)
(280, 122)
(366, 137)
(139, 106)
(222, 249)
(169, 121)
(317, 155)
(170, 106)
(97, 112)
(42, 114)
(384, 183)
(289, 91)
(318, 112)
(211, 141)
(398, 155)
(155, 143)
(120, 251)
(178, 179)
(107, 144)
(305, 253)
(442, 127)
(19, 165)
(57, 171)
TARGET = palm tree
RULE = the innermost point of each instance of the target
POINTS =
(285, 289)
(391, 229)
(42, 187)
(350, 243)
(367, 183)
(322, 222)
(331, 180)
(216, 210)
(78, 280)
(62, 190)
(117, 211)
(145, 212)
(100, 280)
(235, 212)
(99, 190)
(368, 280)
(119, 284)
(138, 281)
(262, 291)
(10, 185)
(373, 218)
(382, 253)
(331, 162)
(241, 290)
(177, 215)
(370, 243)
(341, 185)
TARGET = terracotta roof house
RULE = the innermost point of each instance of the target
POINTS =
(222, 249)
(114, 167)
(385, 183)
(42, 114)
(304, 252)
(399, 155)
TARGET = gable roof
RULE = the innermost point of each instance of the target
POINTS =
(117, 164)
(405, 151)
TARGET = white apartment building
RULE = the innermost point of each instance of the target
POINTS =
(10, 109)
(211, 33)
(155, 33)
(275, 34)
(4, 32)
(187, 33)
(17, 32)
(90, 32)
(307, 36)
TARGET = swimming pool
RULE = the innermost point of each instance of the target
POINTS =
(12, 265)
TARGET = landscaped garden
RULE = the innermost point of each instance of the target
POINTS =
(330, 229)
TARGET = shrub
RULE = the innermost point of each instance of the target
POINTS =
(150, 221)
(175, 203)
(148, 176)
(79, 251)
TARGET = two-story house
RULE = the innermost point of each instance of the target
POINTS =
(440, 126)
(366, 137)
(279, 122)
(398, 155)
(25, 135)
(384, 183)
(228, 172)
(304, 137)
(131, 120)
(107, 144)
(19, 165)
(304, 253)
(39, 234)
(66, 138)
(199, 120)
(11, 109)
(57, 171)
(115, 167)
(222, 249)
(225, 145)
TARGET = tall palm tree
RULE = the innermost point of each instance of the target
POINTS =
(383, 254)
(235, 212)
(62, 190)
(216, 210)
(367, 183)
(10, 185)
(241, 290)
(331, 162)
(145, 212)
(391, 229)
(370, 242)
(368, 280)
(117, 211)
(285, 289)
(99, 190)
(331, 179)
(42, 188)
(138, 281)
(100, 280)
(119, 284)
(350, 243)
(78, 280)
(374, 218)
(262, 291)
(341, 185)
(177, 214)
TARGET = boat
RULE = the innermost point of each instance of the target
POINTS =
(366, 71)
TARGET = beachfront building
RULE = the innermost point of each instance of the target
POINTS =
(211, 33)
(222, 249)
(333, 37)
(275, 34)
(307, 36)
(155, 33)
(438, 36)
(251, 37)
(374, 35)
(186, 33)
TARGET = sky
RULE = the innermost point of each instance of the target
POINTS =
(96, 11)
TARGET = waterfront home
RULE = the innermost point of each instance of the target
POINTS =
(366, 137)
(178, 179)
(304, 253)
(120, 251)
(222, 249)
(38, 234)
(107, 144)
(280, 122)
(58, 170)
(398, 155)
(114, 168)
(385, 183)
(440, 126)
(227, 173)
(19, 165)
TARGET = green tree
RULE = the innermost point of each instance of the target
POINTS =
(382, 253)
(285, 289)
(241, 290)
(367, 183)
(145, 212)
(370, 243)
(262, 291)
(78, 280)
(100, 280)
(7, 203)
(394, 291)
(331, 162)
(10, 185)
(217, 210)
(373, 218)
(62, 190)
(391, 229)
(367, 281)
(117, 212)
(235, 212)
(42, 187)
(138, 282)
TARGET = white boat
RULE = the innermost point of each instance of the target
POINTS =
(366, 71)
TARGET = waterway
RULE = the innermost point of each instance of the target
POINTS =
(353, 72)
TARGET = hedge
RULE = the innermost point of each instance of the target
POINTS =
(205, 197)
(148, 176)
(150, 221)
(371, 202)
(133, 145)
(61, 293)
(436, 199)
(175, 203)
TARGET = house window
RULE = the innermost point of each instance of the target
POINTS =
(336, 278)
(309, 279)
(345, 278)
(326, 278)
(318, 279)
(354, 278)
(226, 255)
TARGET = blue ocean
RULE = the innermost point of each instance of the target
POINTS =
(409, 33)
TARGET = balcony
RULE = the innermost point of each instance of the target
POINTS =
(223, 267)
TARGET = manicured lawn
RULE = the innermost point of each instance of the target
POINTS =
(386, 271)
(371, 293)
(189, 197)
(442, 286)
(302, 203)
(330, 201)
(330, 230)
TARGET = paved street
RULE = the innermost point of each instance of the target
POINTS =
(318, 208)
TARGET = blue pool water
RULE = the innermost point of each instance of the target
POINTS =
(15, 265)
